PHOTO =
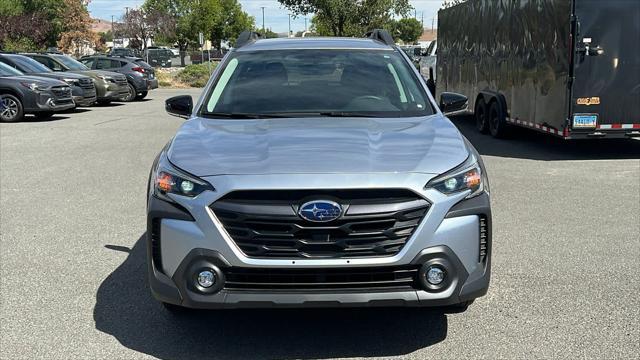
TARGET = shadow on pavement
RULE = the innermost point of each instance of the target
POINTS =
(529, 144)
(126, 310)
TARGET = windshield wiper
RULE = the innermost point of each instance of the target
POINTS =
(242, 115)
(347, 114)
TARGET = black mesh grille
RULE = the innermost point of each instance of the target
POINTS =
(383, 278)
(86, 84)
(63, 92)
(155, 244)
(265, 224)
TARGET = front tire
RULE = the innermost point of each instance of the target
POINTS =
(142, 95)
(11, 109)
(175, 310)
(131, 95)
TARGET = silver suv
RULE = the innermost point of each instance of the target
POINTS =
(317, 172)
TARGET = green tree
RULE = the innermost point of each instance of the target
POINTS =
(230, 22)
(11, 8)
(408, 30)
(348, 17)
(267, 33)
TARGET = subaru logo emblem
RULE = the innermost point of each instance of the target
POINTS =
(320, 211)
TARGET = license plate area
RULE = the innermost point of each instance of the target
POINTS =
(585, 121)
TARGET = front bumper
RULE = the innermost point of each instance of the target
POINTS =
(449, 234)
(111, 91)
(47, 101)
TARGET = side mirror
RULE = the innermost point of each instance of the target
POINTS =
(452, 103)
(180, 106)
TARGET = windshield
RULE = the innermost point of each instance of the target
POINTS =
(71, 63)
(318, 82)
(28, 65)
(6, 70)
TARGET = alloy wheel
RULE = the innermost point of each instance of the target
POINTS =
(8, 109)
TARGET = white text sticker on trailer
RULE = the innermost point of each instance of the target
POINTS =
(582, 121)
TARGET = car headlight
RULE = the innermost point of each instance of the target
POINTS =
(106, 78)
(34, 86)
(468, 176)
(167, 179)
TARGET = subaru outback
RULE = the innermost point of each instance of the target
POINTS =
(317, 172)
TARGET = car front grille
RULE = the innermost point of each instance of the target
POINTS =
(121, 80)
(61, 92)
(376, 223)
(86, 84)
(357, 278)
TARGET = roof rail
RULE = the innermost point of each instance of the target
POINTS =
(247, 37)
(381, 35)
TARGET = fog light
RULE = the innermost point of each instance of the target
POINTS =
(206, 278)
(435, 275)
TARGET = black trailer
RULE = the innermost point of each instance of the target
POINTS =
(570, 68)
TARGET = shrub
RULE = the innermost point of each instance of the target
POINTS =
(195, 75)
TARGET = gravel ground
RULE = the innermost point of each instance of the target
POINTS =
(72, 267)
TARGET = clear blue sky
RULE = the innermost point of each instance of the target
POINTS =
(275, 17)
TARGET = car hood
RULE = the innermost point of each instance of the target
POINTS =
(59, 75)
(206, 147)
(94, 73)
(39, 79)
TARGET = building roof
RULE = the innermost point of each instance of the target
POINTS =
(315, 43)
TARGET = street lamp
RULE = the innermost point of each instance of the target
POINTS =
(262, 7)
(289, 34)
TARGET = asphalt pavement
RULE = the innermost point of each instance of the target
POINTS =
(566, 255)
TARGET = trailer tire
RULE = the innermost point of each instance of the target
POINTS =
(480, 112)
(497, 122)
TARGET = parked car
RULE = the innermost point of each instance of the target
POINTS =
(123, 52)
(428, 61)
(140, 75)
(110, 86)
(317, 172)
(82, 87)
(21, 94)
(158, 57)
(198, 57)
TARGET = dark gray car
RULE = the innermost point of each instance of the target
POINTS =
(110, 86)
(82, 87)
(21, 94)
(140, 76)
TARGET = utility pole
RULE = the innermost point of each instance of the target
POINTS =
(289, 34)
(422, 19)
(433, 22)
(262, 7)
